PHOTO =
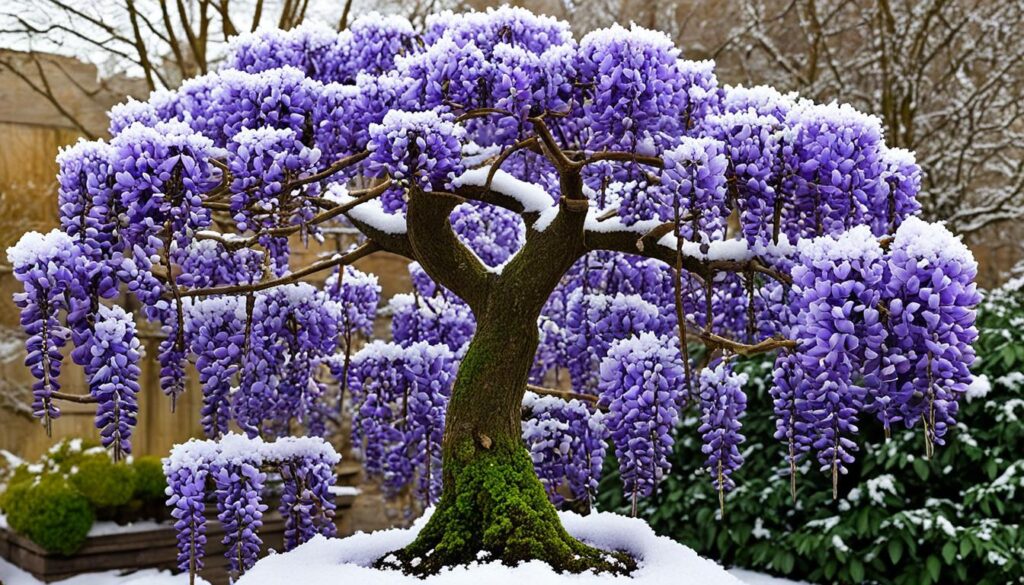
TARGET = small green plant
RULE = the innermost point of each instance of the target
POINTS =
(50, 512)
(104, 483)
(55, 500)
(150, 482)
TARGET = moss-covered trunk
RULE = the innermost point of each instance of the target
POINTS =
(493, 502)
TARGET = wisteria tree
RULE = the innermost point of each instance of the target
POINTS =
(599, 208)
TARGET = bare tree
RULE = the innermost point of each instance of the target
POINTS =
(161, 41)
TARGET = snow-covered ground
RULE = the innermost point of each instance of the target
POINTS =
(323, 560)
(11, 575)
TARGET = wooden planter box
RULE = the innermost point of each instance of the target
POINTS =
(144, 549)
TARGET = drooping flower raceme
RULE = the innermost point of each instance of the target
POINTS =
(400, 395)
(931, 297)
(233, 466)
(567, 440)
(837, 284)
(641, 384)
(41, 263)
(416, 149)
(722, 405)
(115, 352)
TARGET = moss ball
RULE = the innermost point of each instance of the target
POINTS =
(50, 512)
(104, 484)
(150, 481)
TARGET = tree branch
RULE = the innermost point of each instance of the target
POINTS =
(443, 256)
(361, 252)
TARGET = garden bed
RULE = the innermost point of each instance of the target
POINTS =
(142, 545)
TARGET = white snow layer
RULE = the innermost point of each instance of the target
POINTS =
(348, 560)
(531, 196)
(371, 213)
(12, 575)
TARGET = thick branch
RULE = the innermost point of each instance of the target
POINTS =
(440, 252)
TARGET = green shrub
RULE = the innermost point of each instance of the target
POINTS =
(104, 483)
(150, 482)
(49, 512)
(900, 518)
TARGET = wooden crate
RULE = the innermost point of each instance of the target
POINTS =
(144, 549)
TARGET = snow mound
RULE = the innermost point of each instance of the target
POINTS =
(348, 560)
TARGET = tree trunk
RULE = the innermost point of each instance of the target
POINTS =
(493, 506)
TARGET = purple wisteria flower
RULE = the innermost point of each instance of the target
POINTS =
(722, 405)
(837, 285)
(114, 352)
(567, 442)
(641, 384)
(931, 297)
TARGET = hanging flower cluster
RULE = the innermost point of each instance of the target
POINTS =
(41, 263)
(515, 26)
(216, 330)
(834, 159)
(722, 405)
(437, 319)
(236, 467)
(752, 149)
(312, 48)
(114, 383)
(420, 149)
(400, 395)
(902, 182)
(567, 440)
(837, 288)
(641, 384)
(357, 295)
(637, 92)
(265, 164)
(694, 190)
(161, 174)
(593, 323)
(931, 297)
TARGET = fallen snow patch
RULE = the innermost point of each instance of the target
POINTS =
(349, 560)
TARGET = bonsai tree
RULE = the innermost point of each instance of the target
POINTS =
(600, 207)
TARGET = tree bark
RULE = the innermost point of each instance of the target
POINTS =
(492, 501)
(493, 506)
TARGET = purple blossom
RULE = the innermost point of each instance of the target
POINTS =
(641, 384)
(567, 442)
(115, 352)
(722, 405)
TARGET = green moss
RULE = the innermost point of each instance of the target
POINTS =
(104, 484)
(49, 512)
(498, 506)
(150, 482)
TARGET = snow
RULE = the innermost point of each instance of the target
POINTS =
(234, 448)
(107, 528)
(545, 218)
(531, 196)
(932, 242)
(852, 244)
(371, 213)
(347, 560)
(34, 247)
(978, 388)
(752, 578)
(12, 575)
